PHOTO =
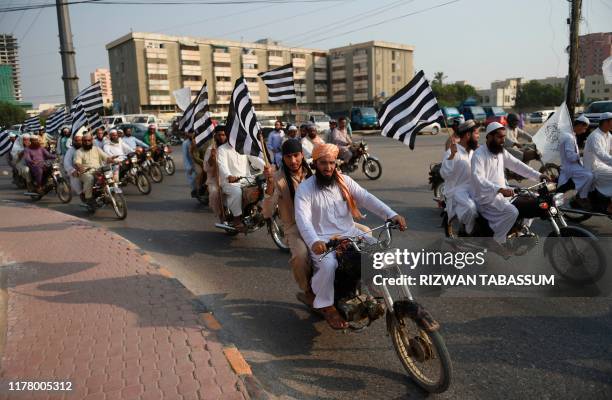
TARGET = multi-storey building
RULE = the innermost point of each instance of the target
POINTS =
(103, 75)
(593, 49)
(9, 55)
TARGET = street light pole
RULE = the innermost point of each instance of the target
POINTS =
(572, 75)
(69, 72)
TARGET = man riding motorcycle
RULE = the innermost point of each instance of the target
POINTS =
(325, 205)
(86, 160)
(233, 166)
(518, 142)
(115, 147)
(35, 157)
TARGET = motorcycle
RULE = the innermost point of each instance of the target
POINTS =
(414, 333)
(252, 213)
(436, 181)
(369, 164)
(106, 191)
(573, 212)
(52, 180)
(166, 161)
(550, 169)
(564, 256)
(149, 166)
(130, 171)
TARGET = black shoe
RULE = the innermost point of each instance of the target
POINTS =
(193, 193)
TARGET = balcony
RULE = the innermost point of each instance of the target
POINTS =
(360, 96)
(249, 59)
(224, 86)
(222, 71)
(320, 99)
(157, 69)
(360, 84)
(360, 72)
(222, 57)
(191, 70)
(194, 85)
(156, 53)
(338, 62)
(339, 98)
(320, 62)
(299, 62)
(361, 58)
(299, 75)
(190, 55)
(250, 73)
(159, 100)
(320, 76)
(275, 61)
(338, 75)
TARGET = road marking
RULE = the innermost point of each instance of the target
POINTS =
(239, 365)
(210, 321)
(164, 272)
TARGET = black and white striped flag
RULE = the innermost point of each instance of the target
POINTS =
(78, 116)
(31, 124)
(186, 122)
(242, 126)
(94, 121)
(90, 98)
(5, 142)
(202, 122)
(409, 110)
(56, 120)
(280, 83)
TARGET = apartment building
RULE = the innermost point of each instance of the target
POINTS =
(146, 68)
(104, 77)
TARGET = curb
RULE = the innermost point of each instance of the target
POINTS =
(233, 356)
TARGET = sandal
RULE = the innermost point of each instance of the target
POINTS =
(333, 318)
(306, 297)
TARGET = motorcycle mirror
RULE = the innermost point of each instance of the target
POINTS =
(384, 239)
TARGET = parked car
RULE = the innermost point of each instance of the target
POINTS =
(450, 113)
(539, 117)
(267, 124)
(594, 111)
(364, 118)
(433, 129)
(321, 120)
(477, 113)
(146, 119)
(495, 114)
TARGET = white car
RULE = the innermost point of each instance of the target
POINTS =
(434, 128)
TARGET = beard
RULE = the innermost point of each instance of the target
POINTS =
(87, 146)
(76, 145)
(34, 145)
(494, 147)
(323, 180)
(472, 144)
(115, 140)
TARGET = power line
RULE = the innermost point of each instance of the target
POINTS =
(19, 19)
(31, 25)
(382, 22)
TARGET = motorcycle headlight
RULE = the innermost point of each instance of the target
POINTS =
(108, 174)
(134, 159)
(559, 199)
(365, 148)
(148, 154)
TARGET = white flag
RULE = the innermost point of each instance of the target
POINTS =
(606, 69)
(183, 97)
(547, 137)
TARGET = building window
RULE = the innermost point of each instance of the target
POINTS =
(298, 55)
(190, 62)
(393, 55)
(223, 79)
(249, 66)
(191, 48)
(158, 93)
(158, 77)
(221, 50)
(190, 78)
(222, 64)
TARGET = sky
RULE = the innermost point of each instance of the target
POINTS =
(478, 41)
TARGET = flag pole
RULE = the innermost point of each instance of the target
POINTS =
(264, 149)
(221, 208)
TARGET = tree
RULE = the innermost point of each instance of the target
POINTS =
(439, 78)
(11, 114)
(453, 94)
(534, 94)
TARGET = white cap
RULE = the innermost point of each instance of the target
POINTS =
(78, 134)
(112, 130)
(605, 116)
(152, 126)
(292, 128)
(25, 136)
(583, 119)
(493, 126)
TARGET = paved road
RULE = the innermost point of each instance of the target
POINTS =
(501, 348)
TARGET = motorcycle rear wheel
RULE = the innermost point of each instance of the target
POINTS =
(156, 173)
(372, 168)
(63, 190)
(401, 333)
(143, 184)
(438, 190)
(119, 205)
(169, 166)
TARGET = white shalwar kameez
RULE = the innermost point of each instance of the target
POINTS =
(322, 213)
(232, 163)
(457, 174)
(571, 166)
(487, 178)
(597, 158)
(75, 182)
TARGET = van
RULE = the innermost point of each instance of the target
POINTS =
(363, 118)
(477, 113)
(319, 118)
(112, 121)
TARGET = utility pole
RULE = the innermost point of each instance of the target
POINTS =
(572, 75)
(69, 72)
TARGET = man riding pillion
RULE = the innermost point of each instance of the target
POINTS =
(35, 157)
(571, 165)
(86, 160)
(71, 171)
(491, 191)
(525, 152)
(233, 166)
(456, 170)
(132, 141)
(212, 172)
(115, 147)
(280, 191)
(597, 156)
(342, 139)
(325, 205)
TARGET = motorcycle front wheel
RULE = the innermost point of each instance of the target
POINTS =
(119, 205)
(576, 256)
(423, 354)
(169, 166)
(63, 190)
(372, 168)
(277, 232)
(438, 190)
(156, 173)
(143, 184)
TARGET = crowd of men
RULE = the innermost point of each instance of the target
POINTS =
(475, 182)
(80, 155)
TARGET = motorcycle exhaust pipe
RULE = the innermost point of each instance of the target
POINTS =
(225, 227)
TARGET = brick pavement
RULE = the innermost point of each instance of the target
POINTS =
(86, 306)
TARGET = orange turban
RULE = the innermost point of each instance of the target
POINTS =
(328, 149)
